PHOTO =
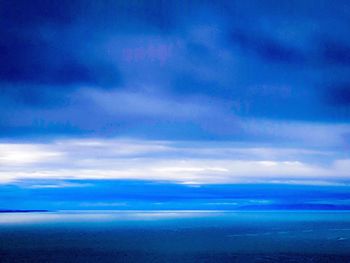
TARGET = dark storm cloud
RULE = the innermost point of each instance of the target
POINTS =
(38, 47)
(325, 54)
(22, 13)
(34, 60)
(103, 15)
(338, 95)
(167, 67)
(336, 53)
(267, 48)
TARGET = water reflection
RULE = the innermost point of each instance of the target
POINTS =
(100, 216)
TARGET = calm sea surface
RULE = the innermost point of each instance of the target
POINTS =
(175, 236)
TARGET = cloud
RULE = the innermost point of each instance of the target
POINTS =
(336, 53)
(338, 95)
(149, 104)
(106, 101)
(321, 134)
(47, 60)
(17, 154)
(166, 161)
(268, 49)
(170, 70)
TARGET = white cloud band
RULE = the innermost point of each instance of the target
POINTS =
(178, 162)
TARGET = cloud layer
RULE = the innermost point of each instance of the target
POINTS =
(170, 69)
(187, 94)
(164, 161)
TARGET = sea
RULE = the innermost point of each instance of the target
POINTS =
(175, 236)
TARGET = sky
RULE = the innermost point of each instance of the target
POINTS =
(174, 104)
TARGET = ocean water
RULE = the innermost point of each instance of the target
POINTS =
(175, 236)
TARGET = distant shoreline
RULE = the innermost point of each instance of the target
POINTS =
(21, 211)
(246, 209)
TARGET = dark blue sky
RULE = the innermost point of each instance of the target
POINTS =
(187, 93)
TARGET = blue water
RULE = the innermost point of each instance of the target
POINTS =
(175, 236)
